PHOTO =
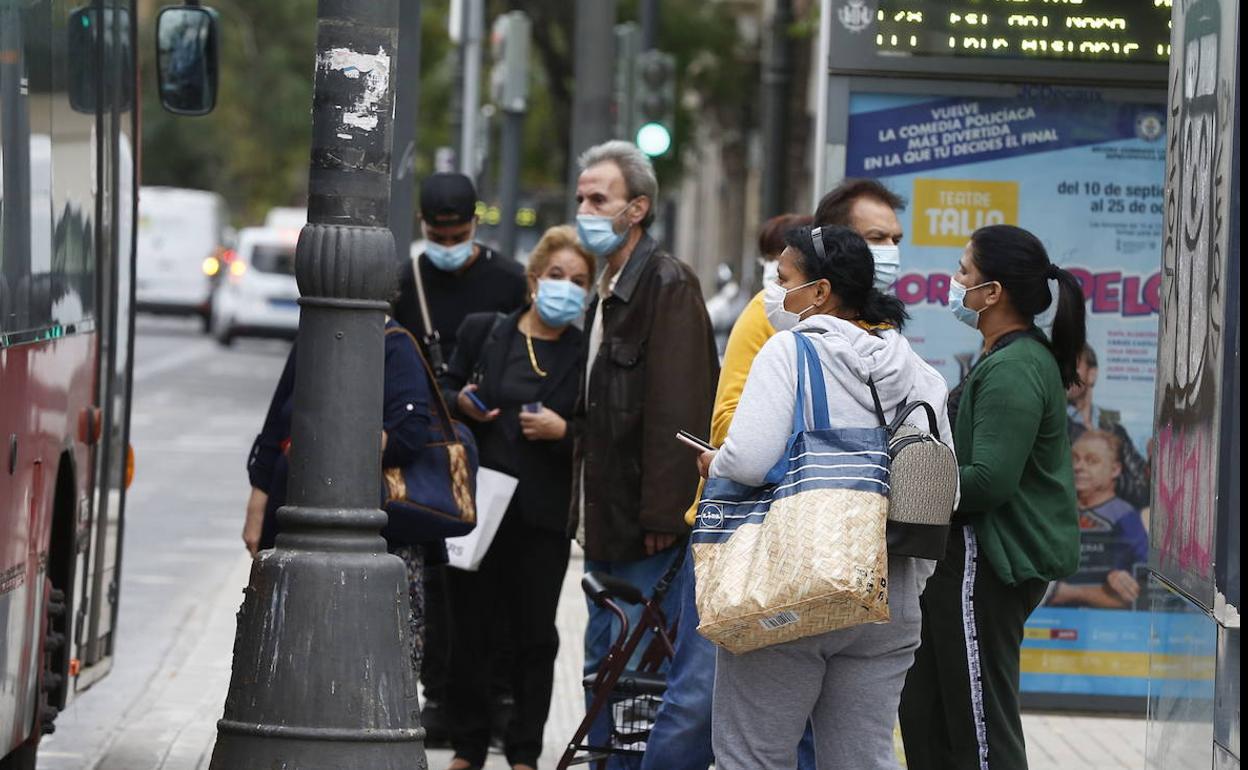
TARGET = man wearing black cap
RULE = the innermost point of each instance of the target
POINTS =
(458, 275)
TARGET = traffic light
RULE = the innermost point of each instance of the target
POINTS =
(655, 102)
(627, 48)
(509, 49)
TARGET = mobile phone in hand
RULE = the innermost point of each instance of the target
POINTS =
(687, 438)
(534, 407)
(477, 402)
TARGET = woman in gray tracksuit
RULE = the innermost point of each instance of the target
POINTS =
(847, 682)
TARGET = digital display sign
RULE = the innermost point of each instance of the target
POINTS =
(1130, 31)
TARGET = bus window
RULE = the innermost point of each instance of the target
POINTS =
(85, 72)
(25, 169)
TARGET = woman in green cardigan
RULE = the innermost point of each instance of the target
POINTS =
(1016, 527)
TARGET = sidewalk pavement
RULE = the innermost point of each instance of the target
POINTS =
(172, 724)
(1054, 741)
(174, 727)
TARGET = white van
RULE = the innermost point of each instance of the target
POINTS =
(286, 218)
(182, 243)
(259, 295)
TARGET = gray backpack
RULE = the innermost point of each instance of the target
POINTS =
(923, 484)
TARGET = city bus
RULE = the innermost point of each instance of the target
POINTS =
(69, 161)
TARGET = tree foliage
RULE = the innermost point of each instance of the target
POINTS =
(710, 67)
(254, 148)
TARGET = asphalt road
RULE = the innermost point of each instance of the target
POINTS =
(197, 407)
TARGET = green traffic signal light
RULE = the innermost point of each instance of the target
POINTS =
(654, 101)
(654, 139)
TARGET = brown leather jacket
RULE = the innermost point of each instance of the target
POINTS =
(654, 374)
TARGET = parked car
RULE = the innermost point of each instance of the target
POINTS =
(182, 249)
(259, 296)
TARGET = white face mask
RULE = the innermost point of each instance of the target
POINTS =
(887, 265)
(771, 272)
(773, 303)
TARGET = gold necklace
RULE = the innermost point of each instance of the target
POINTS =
(528, 339)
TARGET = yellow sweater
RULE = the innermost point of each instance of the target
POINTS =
(749, 334)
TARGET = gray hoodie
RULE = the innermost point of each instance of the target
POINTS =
(849, 354)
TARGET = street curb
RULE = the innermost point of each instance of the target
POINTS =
(177, 729)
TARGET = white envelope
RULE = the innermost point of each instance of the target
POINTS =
(494, 491)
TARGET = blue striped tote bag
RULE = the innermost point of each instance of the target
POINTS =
(807, 552)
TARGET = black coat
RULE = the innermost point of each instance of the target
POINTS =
(405, 418)
(491, 284)
(544, 468)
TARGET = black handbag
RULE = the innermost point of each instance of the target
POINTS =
(432, 498)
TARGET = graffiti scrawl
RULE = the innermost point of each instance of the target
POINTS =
(1190, 348)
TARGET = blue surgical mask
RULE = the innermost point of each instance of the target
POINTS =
(887, 265)
(449, 258)
(559, 302)
(957, 297)
(598, 233)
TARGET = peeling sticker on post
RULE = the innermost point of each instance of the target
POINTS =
(374, 69)
(356, 119)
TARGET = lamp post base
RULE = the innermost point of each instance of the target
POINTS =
(322, 673)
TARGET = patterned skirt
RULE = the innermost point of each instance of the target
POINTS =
(413, 558)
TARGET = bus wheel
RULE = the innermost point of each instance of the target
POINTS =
(24, 757)
(53, 646)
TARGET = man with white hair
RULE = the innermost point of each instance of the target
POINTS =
(651, 370)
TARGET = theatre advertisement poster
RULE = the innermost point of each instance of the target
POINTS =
(1086, 174)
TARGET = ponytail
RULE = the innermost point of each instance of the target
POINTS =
(843, 258)
(1069, 328)
(881, 308)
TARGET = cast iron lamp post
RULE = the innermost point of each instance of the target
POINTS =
(322, 676)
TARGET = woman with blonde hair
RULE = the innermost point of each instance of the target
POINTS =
(514, 379)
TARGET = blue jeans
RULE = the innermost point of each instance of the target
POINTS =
(603, 626)
(681, 737)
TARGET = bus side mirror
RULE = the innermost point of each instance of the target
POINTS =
(186, 59)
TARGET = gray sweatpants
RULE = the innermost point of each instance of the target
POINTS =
(847, 682)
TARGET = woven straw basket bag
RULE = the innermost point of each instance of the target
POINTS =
(806, 553)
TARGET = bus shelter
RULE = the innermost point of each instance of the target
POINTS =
(1052, 117)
